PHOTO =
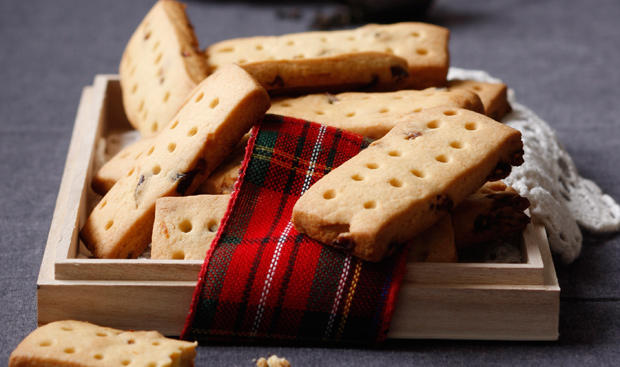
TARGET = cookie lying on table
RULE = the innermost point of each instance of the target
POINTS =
(494, 96)
(221, 109)
(371, 114)
(160, 67)
(82, 344)
(273, 361)
(404, 182)
(379, 57)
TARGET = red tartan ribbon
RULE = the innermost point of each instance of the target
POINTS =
(262, 279)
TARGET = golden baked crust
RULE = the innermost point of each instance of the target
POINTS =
(494, 96)
(160, 66)
(404, 182)
(375, 57)
(81, 344)
(185, 226)
(371, 114)
(118, 166)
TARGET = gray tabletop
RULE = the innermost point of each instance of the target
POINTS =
(560, 57)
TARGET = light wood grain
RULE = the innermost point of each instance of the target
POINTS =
(446, 311)
(135, 269)
(529, 272)
(77, 171)
(474, 311)
(63, 226)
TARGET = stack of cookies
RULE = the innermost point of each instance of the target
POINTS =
(429, 179)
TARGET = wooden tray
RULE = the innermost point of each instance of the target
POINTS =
(437, 300)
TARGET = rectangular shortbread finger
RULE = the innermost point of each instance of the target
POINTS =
(404, 182)
(81, 344)
(380, 57)
(185, 226)
(494, 96)
(221, 109)
(371, 114)
(160, 67)
(118, 166)
(223, 179)
(220, 181)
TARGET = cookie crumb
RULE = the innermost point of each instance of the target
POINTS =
(273, 361)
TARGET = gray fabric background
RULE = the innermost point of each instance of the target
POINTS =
(561, 57)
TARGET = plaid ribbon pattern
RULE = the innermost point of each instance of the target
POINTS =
(262, 280)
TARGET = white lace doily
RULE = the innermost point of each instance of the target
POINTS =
(560, 198)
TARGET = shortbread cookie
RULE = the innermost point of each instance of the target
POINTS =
(435, 244)
(404, 182)
(494, 96)
(371, 114)
(223, 179)
(221, 109)
(378, 57)
(492, 212)
(118, 166)
(185, 226)
(160, 67)
(81, 344)
(368, 114)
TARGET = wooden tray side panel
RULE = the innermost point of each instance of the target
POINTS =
(473, 273)
(421, 313)
(465, 313)
(495, 312)
(530, 272)
(147, 306)
(76, 176)
(115, 119)
(63, 224)
(491, 312)
(128, 270)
